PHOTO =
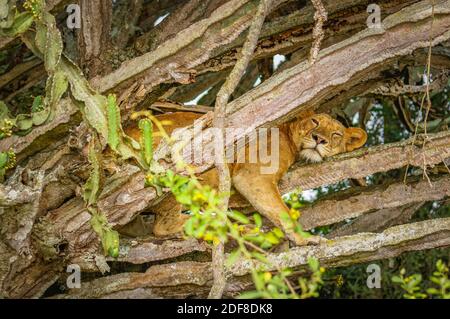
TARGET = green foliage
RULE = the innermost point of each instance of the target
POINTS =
(13, 23)
(146, 127)
(113, 123)
(108, 236)
(102, 113)
(99, 222)
(35, 7)
(412, 284)
(92, 186)
(6, 122)
(57, 84)
(440, 279)
(7, 10)
(350, 281)
(48, 45)
(53, 43)
(7, 161)
(208, 221)
(269, 286)
(293, 199)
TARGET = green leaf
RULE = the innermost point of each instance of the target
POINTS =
(4, 111)
(58, 86)
(40, 39)
(53, 44)
(3, 159)
(433, 291)
(238, 216)
(98, 222)
(24, 122)
(110, 243)
(278, 232)
(260, 257)
(37, 104)
(258, 220)
(146, 128)
(94, 103)
(286, 220)
(258, 279)
(200, 230)
(113, 122)
(22, 22)
(313, 264)
(92, 186)
(397, 279)
(39, 118)
(272, 239)
(6, 14)
(232, 257)
(189, 227)
(108, 237)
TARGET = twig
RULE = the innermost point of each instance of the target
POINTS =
(171, 106)
(427, 92)
(426, 95)
(219, 121)
(320, 16)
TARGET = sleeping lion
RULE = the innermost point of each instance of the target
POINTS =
(311, 137)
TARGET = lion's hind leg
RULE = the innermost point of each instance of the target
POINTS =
(169, 219)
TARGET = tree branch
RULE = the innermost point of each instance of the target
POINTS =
(184, 279)
(94, 39)
(346, 206)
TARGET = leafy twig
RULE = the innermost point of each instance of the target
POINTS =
(223, 96)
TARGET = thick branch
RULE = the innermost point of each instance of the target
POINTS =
(364, 247)
(94, 38)
(185, 279)
(378, 221)
(231, 19)
(327, 212)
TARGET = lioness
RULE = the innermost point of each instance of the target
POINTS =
(311, 137)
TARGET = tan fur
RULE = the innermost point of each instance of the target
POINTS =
(310, 136)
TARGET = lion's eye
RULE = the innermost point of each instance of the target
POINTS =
(315, 122)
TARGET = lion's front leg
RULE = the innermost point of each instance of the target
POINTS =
(263, 194)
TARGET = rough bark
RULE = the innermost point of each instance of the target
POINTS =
(377, 221)
(347, 206)
(94, 38)
(184, 279)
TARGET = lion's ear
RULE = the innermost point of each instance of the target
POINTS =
(356, 137)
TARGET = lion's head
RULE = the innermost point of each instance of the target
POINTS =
(320, 136)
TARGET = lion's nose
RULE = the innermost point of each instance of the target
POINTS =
(319, 139)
